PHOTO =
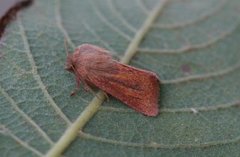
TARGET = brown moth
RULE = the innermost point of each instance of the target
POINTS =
(94, 66)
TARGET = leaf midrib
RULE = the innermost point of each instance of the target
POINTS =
(92, 108)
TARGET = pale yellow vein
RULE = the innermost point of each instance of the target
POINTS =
(60, 24)
(98, 37)
(20, 142)
(204, 17)
(37, 77)
(20, 70)
(66, 35)
(71, 133)
(177, 110)
(133, 46)
(25, 116)
(101, 16)
(189, 48)
(120, 17)
(202, 76)
(156, 145)
(142, 6)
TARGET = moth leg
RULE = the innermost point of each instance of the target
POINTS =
(89, 89)
(78, 82)
(105, 94)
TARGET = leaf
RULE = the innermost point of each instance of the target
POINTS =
(192, 45)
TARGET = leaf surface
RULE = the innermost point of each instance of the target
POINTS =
(192, 45)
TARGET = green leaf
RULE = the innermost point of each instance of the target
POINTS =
(192, 45)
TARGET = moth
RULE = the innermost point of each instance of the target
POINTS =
(94, 66)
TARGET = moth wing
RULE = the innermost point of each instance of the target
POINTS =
(137, 88)
(91, 56)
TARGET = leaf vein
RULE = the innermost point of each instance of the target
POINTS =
(143, 7)
(189, 48)
(72, 132)
(102, 17)
(38, 78)
(202, 76)
(193, 22)
(25, 116)
(98, 37)
(156, 145)
(178, 110)
(7, 132)
(120, 17)
(60, 24)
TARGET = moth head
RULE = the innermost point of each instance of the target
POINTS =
(69, 65)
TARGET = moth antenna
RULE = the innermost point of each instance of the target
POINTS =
(66, 46)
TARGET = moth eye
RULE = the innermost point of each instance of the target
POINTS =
(67, 68)
(70, 68)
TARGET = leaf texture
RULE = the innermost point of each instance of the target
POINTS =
(192, 45)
